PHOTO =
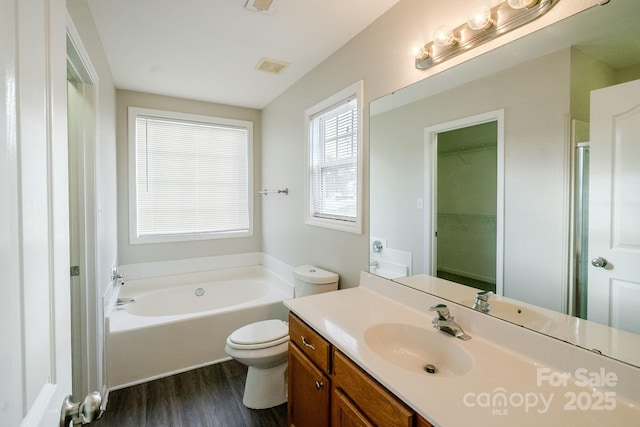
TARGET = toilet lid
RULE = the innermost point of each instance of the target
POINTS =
(260, 332)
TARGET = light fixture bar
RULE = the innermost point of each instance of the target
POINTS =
(504, 18)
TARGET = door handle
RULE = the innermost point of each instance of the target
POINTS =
(599, 262)
(81, 413)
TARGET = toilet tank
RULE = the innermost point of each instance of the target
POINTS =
(310, 280)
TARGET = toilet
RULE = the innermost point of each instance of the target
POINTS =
(263, 345)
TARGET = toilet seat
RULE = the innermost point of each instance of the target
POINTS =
(263, 334)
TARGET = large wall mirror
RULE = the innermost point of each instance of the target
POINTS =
(490, 175)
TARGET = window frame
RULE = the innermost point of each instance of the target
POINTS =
(353, 91)
(134, 238)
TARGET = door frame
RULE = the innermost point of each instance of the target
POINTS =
(87, 331)
(431, 185)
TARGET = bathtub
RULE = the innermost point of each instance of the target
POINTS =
(181, 322)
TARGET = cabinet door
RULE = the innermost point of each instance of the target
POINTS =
(421, 422)
(382, 407)
(309, 391)
(345, 413)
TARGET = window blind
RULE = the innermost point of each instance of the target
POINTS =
(334, 162)
(191, 177)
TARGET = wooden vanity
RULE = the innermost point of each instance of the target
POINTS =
(327, 389)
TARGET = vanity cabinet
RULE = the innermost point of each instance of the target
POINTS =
(327, 389)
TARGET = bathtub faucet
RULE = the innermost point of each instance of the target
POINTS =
(116, 276)
(124, 301)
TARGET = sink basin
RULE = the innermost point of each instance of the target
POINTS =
(412, 348)
(518, 314)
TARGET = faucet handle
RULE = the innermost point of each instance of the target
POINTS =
(442, 310)
(484, 295)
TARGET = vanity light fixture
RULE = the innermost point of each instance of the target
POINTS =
(484, 24)
(519, 4)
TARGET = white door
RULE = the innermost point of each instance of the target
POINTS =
(614, 207)
(35, 362)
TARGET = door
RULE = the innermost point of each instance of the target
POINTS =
(34, 324)
(614, 207)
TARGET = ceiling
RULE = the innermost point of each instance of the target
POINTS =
(208, 50)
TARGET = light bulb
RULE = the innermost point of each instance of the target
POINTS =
(480, 18)
(443, 36)
(423, 53)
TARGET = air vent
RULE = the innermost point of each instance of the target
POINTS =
(271, 66)
(263, 6)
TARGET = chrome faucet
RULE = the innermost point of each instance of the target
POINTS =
(124, 301)
(482, 301)
(444, 321)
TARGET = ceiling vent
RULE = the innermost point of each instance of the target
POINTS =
(271, 66)
(263, 6)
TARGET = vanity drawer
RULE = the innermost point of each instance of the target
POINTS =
(380, 406)
(310, 343)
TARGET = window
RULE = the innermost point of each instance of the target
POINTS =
(334, 178)
(190, 177)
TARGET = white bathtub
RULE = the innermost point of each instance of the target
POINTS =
(181, 322)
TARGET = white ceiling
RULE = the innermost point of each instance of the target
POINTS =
(208, 49)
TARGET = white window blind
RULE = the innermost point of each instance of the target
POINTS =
(334, 161)
(191, 177)
(334, 147)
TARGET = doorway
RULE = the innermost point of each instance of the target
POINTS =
(466, 169)
(87, 357)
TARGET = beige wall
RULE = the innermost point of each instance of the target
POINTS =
(535, 166)
(130, 254)
(380, 55)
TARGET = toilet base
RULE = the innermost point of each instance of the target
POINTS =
(265, 388)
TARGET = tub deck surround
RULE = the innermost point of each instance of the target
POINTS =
(147, 345)
(172, 295)
(509, 362)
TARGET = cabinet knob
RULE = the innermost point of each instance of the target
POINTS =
(319, 385)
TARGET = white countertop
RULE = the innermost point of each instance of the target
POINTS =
(618, 344)
(344, 316)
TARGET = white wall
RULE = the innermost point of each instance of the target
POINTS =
(131, 254)
(381, 56)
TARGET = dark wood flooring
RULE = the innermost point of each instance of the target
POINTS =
(205, 397)
(485, 286)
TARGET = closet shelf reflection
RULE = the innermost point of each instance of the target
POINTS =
(476, 222)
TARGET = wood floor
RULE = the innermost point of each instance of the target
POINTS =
(205, 397)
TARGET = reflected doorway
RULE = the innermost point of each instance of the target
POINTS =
(466, 201)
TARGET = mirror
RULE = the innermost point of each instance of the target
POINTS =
(541, 83)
